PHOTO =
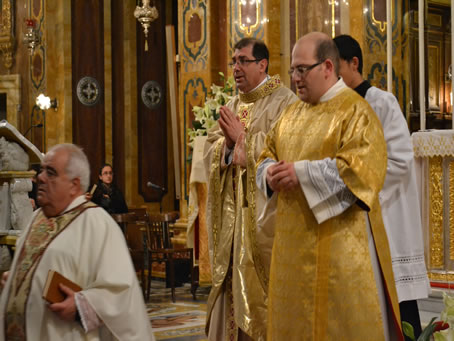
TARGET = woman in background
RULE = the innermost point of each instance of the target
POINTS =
(107, 195)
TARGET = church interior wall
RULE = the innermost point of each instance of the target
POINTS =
(102, 38)
(76, 39)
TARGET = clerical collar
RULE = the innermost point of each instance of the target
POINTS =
(264, 89)
(261, 83)
(362, 88)
(333, 91)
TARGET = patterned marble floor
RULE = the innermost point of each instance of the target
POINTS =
(183, 320)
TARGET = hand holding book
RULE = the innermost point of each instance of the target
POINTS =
(52, 292)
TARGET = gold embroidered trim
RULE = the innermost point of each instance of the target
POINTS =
(451, 209)
(214, 195)
(265, 90)
(441, 277)
(231, 327)
(251, 193)
(244, 114)
(436, 212)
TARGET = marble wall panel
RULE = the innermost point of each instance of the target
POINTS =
(59, 74)
(245, 19)
(195, 67)
(36, 12)
(374, 45)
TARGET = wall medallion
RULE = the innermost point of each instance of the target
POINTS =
(151, 94)
(88, 91)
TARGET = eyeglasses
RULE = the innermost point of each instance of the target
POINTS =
(302, 70)
(243, 62)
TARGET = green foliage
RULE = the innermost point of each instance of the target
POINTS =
(408, 330)
(428, 331)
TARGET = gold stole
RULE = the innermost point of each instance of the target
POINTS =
(42, 232)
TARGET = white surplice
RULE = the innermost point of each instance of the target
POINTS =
(92, 252)
(399, 200)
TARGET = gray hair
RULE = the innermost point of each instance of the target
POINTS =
(77, 165)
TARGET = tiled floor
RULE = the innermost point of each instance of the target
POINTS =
(183, 320)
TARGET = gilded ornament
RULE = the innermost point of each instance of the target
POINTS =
(6, 33)
(146, 15)
(436, 212)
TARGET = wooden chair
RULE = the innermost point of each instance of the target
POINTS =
(122, 219)
(160, 249)
(140, 212)
(134, 228)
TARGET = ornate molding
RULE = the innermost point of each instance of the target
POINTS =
(436, 213)
(7, 40)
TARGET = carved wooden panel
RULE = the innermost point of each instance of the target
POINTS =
(87, 40)
(152, 107)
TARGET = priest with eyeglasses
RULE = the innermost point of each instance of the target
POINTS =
(325, 161)
(239, 255)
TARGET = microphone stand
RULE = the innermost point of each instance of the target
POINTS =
(31, 127)
(161, 193)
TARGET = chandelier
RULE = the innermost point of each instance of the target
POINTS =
(146, 15)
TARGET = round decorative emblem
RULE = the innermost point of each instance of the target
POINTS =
(88, 91)
(151, 94)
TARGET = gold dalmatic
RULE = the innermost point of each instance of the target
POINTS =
(42, 232)
(322, 284)
(231, 215)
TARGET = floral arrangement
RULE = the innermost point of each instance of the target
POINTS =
(206, 116)
(440, 330)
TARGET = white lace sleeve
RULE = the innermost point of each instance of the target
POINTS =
(88, 318)
(260, 177)
(326, 193)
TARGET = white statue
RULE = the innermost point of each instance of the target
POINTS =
(12, 156)
(15, 208)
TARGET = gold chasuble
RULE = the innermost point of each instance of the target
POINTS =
(238, 298)
(322, 284)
